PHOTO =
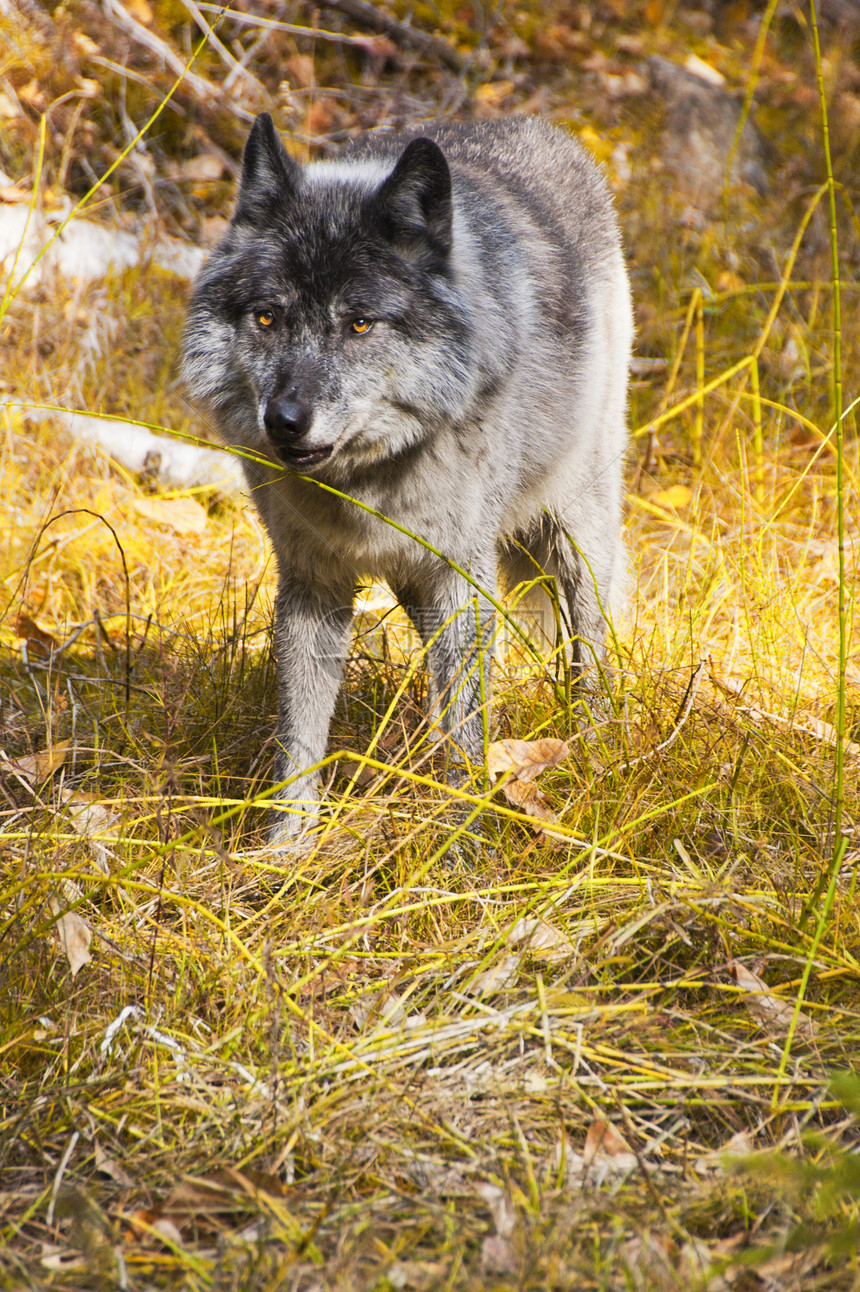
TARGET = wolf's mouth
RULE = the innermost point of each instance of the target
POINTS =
(297, 459)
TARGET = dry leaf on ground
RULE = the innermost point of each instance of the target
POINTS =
(74, 936)
(527, 797)
(28, 630)
(771, 1009)
(37, 768)
(497, 977)
(525, 758)
(89, 818)
(182, 514)
(112, 1169)
(603, 1141)
(541, 938)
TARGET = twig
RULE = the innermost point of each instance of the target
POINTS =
(692, 691)
(130, 75)
(362, 12)
(236, 68)
(205, 91)
(315, 33)
(368, 14)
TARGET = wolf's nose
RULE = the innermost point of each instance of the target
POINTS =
(286, 419)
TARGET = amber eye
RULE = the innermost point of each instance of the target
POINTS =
(265, 318)
(361, 325)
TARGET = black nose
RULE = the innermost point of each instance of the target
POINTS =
(286, 419)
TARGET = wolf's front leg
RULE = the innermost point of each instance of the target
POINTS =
(311, 640)
(456, 625)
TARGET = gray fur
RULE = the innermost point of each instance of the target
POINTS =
(484, 410)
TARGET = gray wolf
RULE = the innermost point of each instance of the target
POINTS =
(437, 324)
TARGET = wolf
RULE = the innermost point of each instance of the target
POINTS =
(428, 339)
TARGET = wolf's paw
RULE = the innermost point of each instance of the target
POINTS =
(290, 833)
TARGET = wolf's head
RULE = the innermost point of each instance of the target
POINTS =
(330, 326)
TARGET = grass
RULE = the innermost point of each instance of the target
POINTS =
(604, 1058)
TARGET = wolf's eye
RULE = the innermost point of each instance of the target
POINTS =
(361, 325)
(265, 318)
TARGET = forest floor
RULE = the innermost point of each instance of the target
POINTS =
(614, 1053)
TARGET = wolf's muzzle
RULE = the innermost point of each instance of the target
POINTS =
(287, 421)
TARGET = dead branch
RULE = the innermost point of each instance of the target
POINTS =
(361, 11)
(202, 89)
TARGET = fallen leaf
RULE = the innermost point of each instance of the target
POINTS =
(497, 977)
(140, 1223)
(376, 46)
(623, 85)
(28, 630)
(540, 938)
(527, 797)
(209, 1199)
(739, 1145)
(36, 768)
(676, 496)
(525, 758)
(652, 1257)
(556, 41)
(86, 814)
(771, 1009)
(493, 92)
(182, 514)
(729, 281)
(9, 111)
(604, 1145)
(107, 1166)
(74, 936)
(206, 1196)
(89, 818)
(214, 228)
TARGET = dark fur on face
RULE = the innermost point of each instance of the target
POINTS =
(313, 260)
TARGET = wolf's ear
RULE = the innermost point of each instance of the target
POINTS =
(269, 174)
(414, 203)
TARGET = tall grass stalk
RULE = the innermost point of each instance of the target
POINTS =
(839, 841)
